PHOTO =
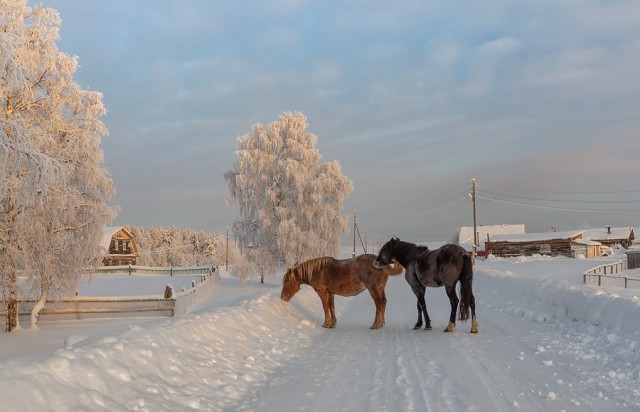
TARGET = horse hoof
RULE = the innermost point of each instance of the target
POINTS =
(450, 327)
(417, 327)
(428, 328)
(375, 327)
(474, 326)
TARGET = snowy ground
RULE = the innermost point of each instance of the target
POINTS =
(546, 343)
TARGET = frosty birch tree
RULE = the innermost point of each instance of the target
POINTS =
(53, 188)
(290, 203)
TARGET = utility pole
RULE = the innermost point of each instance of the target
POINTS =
(474, 189)
(226, 259)
(354, 234)
(365, 240)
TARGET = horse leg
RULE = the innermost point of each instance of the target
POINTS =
(474, 321)
(384, 305)
(418, 324)
(332, 311)
(453, 300)
(380, 301)
(427, 319)
(419, 293)
(325, 298)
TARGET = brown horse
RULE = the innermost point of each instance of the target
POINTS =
(347, 277)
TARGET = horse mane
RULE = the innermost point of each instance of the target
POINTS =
(411, 249)
(306, 269)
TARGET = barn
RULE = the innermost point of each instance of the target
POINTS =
(570, 244)
(485, 232)
(119, 247)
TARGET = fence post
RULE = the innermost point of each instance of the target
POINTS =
(170, 271)
(129, 269)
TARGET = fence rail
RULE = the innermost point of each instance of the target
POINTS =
(80, 307)
(605, 275)
(147, 270)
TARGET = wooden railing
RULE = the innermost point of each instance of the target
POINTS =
(147, 270)
(81, 307)
(607, 275)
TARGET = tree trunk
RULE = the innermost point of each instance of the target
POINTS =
(12, 322)
(37, 308)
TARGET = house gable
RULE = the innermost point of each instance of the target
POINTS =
(118, 246)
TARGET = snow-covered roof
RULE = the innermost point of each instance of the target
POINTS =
(587, 242)
(536, 237)
(602, 233)
(107, 234)
(466, 232)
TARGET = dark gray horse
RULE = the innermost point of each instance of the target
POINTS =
(434, 268)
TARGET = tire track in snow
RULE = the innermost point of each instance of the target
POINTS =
(353, 368)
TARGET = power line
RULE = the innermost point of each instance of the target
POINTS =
(515, 195)
(558, 207)
(409, 208)
(585, 192)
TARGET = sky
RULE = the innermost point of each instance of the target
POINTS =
(546, 342)
(537, 100)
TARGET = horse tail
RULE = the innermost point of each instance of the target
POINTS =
(466, 290)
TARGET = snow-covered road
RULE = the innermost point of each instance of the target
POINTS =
(546, 343)
(512, 364)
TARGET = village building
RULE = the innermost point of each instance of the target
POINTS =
(611, 236)
(485, 233)
(119, 247)
(569, 243)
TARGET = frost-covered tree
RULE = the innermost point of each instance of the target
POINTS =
(290, 202)
(174, 247)
(53, 187)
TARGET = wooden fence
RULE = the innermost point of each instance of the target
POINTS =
(83, 307)
(610, 275)
(147, 270)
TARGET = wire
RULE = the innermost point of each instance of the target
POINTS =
(501, 193)
(423, 210)
(574, 192)
(557, 207)
(447, 205)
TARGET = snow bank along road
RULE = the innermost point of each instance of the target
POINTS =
(544, 345)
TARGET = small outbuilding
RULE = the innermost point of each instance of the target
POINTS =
(570, 244)
(119, 247)
(611, 236)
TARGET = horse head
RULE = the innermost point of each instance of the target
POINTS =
(385, 255)
(290, 285)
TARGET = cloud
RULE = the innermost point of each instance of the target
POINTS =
(500, 47)
(421, 92)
